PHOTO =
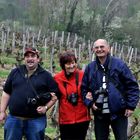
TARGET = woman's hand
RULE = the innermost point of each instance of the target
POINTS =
(54, 97)
(89, 96)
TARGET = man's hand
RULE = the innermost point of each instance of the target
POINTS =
(2, 116)
(41, 109)
(94, 107)
(128, 112)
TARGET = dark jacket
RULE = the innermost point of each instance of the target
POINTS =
(124, 97)
(20, 90)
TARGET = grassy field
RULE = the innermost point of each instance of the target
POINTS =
(1, 132)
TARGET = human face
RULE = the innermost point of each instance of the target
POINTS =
(31, 61)
(101, 48)
(70, 67)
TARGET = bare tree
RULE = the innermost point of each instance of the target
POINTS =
(111, 10)
(69, 26)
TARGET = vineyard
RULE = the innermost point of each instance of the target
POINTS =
(53, 26)
(50, 46)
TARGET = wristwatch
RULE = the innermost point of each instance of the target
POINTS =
(46, 107)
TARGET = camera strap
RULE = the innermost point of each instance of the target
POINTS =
(117, 85)
(25, 75)
(111, 79)
(31, 85)
(76, 81)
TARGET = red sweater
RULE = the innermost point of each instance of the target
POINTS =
(69, 114)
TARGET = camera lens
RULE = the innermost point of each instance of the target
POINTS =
(73, 99)
(33, 101)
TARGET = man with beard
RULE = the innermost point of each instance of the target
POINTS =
(23, 94)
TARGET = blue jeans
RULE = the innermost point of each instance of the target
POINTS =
(119, 127)
(32, 129)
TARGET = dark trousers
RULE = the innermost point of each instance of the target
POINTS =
(75, 131)
(119, 127)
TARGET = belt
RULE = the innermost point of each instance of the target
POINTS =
(22, 118)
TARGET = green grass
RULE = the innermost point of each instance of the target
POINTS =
(1, 132)
(8, 59)
(4, 73)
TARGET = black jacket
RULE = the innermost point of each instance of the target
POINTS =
(20, 90)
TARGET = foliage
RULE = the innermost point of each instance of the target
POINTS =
(35, 10)
(4, 73)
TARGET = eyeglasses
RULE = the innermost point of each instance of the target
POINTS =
(101, 47)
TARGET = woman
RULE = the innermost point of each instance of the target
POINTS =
(74, 116)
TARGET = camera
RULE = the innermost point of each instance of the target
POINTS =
(31, 101)
(101, 91)
(100, 94)
(40, 99)
(73, 98)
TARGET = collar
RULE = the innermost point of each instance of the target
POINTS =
(70, 75)
(24, 72)
(106, 63)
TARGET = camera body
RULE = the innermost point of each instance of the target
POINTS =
(101, 91)
(40, 99)
(73, 98)
(32, 101)
(100, 94)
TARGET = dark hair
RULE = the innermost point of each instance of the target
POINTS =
(65, 57)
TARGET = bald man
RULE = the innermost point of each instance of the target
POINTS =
(110, 89)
